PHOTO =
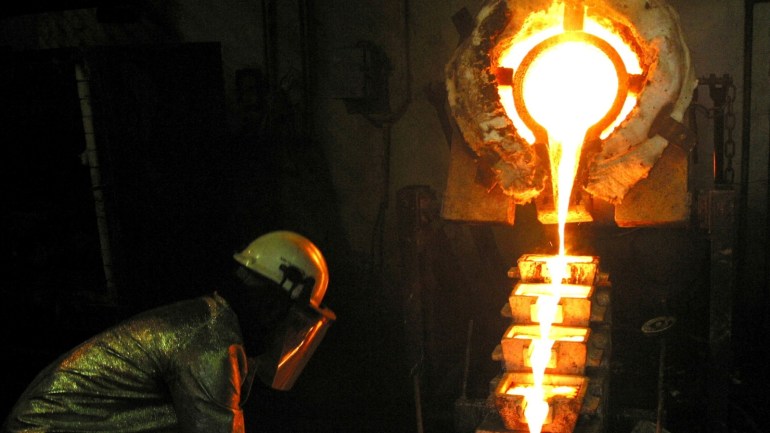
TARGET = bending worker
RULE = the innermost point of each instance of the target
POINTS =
(188, 366)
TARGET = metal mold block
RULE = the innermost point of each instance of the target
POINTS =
(567, 357)
(582, 270)
(574, 305)
(564, 410)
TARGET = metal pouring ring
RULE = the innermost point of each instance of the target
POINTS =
(658, 325)
(541, 135)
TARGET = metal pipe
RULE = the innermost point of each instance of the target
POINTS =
(743, 194)
(658, 327)
(467, 365)
(386, 123)
(765, 299)
(92, 159)
(269, 14)
(661, 386)
(765, 294)
(417, 403)
(719, 139)
(305, 13)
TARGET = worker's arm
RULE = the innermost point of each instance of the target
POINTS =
(207, 390)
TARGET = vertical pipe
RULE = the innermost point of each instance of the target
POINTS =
(269, 14)
(719, 141)
(84, 94)
(417, 402)
(743, 197)
(306, 36)
(467, 365)
(765, 299)
(765, 295)
(722, 215)
(414, 204)
(661, 385)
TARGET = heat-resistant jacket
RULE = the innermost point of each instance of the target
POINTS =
(177, 368)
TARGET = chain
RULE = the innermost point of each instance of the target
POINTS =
(729, 141)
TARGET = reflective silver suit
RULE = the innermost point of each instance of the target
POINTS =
(178, 368)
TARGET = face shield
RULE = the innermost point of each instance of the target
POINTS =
(292, 344)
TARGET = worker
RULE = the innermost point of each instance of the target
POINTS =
(188, 366)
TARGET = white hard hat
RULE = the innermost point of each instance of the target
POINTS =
(292, 261)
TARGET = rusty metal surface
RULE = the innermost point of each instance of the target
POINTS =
(597, 393)
(662, 198)
(534, 269)
(493, 424)
(466, 200)
(593, 410)
(567, 357)
(600, 304)
(674, 131)
(564, 410)
(599, 347)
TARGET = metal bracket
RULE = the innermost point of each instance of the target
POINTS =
(672, 130)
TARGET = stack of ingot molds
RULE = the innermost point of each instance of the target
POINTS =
(580, 354)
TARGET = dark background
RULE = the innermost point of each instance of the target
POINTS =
(184, 189)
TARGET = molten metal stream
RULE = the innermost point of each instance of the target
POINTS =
(568, 88)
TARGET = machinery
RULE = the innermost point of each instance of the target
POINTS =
(577, 106)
